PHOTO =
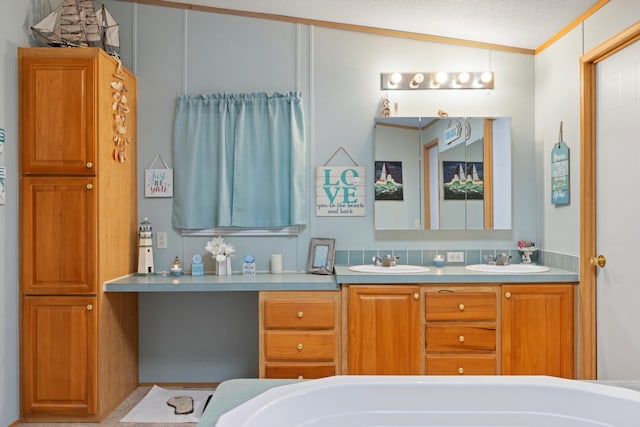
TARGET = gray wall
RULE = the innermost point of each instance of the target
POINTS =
(14, 18)
(174, 52)
(557, 82)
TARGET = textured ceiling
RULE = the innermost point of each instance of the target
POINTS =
(516, 23)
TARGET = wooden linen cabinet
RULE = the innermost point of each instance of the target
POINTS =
(78, 222)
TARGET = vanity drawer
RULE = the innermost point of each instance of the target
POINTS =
(310, 345)
(461, 364)
(306, 371)
(460, 306)
(282, 314)
(461, 338)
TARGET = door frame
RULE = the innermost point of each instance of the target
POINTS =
(588, 237)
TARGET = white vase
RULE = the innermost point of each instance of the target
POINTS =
(223, 268)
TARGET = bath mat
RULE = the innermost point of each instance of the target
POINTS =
(153, 407)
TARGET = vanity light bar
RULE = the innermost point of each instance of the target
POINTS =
(437, 80)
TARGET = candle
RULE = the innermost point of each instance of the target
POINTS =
(276, 263)
(438, 260)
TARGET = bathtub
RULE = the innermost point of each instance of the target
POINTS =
(358, 401)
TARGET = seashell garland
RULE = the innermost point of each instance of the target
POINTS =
(120, 110)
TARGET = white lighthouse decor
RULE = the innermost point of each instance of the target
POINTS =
(145, 248)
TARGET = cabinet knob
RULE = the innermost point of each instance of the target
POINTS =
(299, 346)
(461, 370)
(507, 295)
(461, 307)
(89, 165)
(300, 377)
(89, 186)
(89, 307)
(300, 314)
(461, 338)
(416, 296)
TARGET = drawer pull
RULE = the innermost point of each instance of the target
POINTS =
(507, 295)
(300, 314)
(461, 338)
(461, 307)
(460, 370)
(299, 346)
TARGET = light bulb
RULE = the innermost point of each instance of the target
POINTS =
(463, 77)
(417, 79)
(486, 77)
(395, 78)
(442, 77)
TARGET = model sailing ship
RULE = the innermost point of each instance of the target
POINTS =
(78, 23)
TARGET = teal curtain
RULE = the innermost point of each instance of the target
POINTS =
(239, 161)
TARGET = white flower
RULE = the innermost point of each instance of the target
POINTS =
(219, 249)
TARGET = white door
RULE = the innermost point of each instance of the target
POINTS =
(618, 214)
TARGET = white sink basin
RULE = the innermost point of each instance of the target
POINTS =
(508, 269)
(396, 269)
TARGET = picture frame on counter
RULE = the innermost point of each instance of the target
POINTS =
(322, 252)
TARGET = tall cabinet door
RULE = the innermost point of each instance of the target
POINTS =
(538, 330)
(59, 355)
(57, 101)
(384, 330)
(58, 235)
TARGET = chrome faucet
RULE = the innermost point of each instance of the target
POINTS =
(386, 261)
(390, 261)
(503, 259)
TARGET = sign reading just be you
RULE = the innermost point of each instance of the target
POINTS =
(158, 182)
(340, 191)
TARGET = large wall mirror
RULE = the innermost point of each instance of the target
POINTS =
(442, 173)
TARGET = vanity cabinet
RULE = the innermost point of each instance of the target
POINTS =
(460, 330)
(384, 331)
(300, 333)
(78, 229)
(538, 330)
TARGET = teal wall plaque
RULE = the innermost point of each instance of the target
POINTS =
(560, 174)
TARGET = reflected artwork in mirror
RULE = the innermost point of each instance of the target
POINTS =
(456, 173)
